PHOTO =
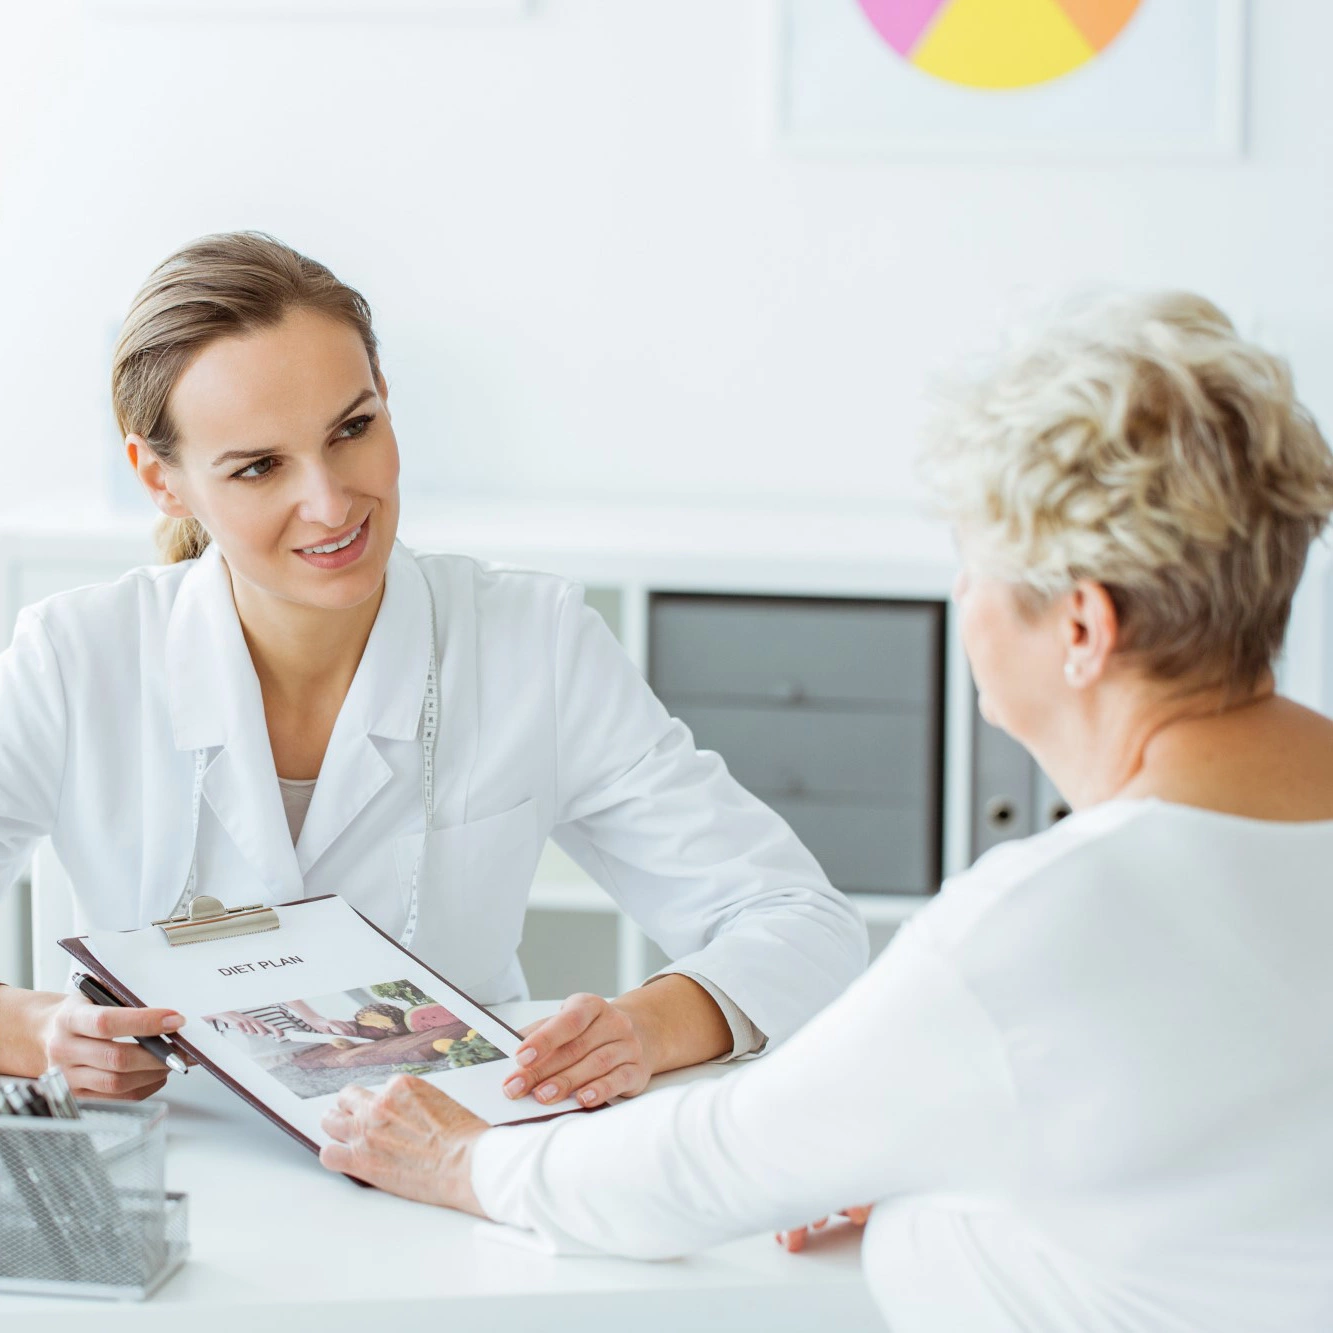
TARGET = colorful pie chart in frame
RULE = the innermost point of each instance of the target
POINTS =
(998, 43)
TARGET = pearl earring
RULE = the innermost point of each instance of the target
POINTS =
(1071, 673)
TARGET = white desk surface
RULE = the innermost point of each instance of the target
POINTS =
(280, 1244)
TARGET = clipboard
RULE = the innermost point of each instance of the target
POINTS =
(209, 920)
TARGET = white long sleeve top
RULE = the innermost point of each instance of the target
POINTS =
(1089, 1087)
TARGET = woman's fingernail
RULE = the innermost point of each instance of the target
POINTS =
(172, 1023)
(547, 1092)
(587, 1096)
(515, 1087)
(527, 1057)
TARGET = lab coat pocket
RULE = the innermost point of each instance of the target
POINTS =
(472, 892)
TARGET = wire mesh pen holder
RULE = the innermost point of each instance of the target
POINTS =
(83, 1211)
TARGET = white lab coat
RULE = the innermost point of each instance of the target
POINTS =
(546, 728)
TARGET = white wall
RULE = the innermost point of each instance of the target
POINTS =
(592, 272)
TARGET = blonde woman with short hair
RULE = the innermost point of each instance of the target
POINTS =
(1090, 1086)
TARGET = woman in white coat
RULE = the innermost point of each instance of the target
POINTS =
(1090, 1085)
(296, 705)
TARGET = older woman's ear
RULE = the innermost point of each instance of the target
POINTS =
(1091, 630)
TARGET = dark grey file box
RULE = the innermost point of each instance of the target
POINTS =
(866, 849)
(794, 650)
(829, 710)
(870, 758)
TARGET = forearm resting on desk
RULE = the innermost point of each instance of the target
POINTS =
(411, 1139)
(682, 1023)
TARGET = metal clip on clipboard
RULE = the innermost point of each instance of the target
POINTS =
(207, 919)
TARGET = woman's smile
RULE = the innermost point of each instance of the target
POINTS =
(342, 551)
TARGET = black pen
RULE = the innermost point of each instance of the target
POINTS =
(158, 1047)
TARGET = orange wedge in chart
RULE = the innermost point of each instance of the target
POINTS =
(998, 43)
(1099, 21)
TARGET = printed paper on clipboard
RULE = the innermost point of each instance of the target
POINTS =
(288, 1018)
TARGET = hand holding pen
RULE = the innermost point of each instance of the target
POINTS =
(79, 1034)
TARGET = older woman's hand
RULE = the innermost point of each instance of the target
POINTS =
(409, 1138)
(794, 1240)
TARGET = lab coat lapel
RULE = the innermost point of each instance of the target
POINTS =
(384, 700)
(215, 701)
(241, 788)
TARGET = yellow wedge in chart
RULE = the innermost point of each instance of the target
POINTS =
(1002, 43)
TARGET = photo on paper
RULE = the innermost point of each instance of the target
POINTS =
(317, 1046)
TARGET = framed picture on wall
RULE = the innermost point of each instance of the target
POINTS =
(1065, 79)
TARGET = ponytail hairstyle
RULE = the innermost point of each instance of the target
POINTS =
(220, 286)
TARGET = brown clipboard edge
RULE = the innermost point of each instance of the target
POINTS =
(77, 949)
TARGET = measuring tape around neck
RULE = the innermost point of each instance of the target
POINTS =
(430, 722)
